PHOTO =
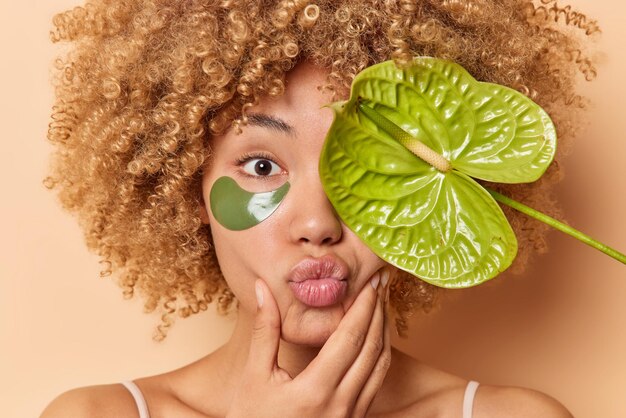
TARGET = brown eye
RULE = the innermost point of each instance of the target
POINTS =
(261, 167)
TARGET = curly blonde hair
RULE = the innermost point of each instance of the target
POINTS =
(149, 81)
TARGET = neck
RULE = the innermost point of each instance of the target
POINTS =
(221, 372)
(295, 358)
(292, 358)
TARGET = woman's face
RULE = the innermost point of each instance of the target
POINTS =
(313, 264)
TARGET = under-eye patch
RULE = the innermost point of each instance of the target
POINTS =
(238, 209)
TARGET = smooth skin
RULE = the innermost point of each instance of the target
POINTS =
(285, 357)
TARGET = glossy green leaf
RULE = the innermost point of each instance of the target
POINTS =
(441, 226)
(444, 228)
(485, 130)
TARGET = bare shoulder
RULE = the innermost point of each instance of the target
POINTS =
(423, 390)
(514, 402)
(94, 401)
(489, 402)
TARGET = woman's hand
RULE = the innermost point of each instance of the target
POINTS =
(340, 382)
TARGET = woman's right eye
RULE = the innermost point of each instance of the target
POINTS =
(261, 167)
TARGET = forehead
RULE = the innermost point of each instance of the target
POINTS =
(303, 95)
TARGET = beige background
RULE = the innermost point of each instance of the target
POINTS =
(560, 328)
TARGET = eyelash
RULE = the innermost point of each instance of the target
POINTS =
(252, 156)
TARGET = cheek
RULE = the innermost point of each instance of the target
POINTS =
(243, 230)
(367, 258)
(245, 256)
(367, 263)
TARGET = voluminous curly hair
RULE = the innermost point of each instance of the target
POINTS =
(148, 82)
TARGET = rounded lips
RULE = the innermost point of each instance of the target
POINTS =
(320, 281)
(327, 267)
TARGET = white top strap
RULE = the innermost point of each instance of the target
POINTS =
(134, 390)
(142, 407)
(468, 399)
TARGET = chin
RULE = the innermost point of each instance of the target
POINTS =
(311, 329)
(308, 338)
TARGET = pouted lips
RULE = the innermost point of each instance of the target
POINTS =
(319, 282)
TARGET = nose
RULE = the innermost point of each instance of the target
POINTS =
(315, 221)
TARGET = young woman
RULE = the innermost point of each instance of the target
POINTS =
(159, 101)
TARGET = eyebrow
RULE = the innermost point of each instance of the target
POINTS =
(270, 122)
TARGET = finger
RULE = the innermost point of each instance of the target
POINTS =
(344, 345)
(360, 371)
(265, 332)
(377, 377)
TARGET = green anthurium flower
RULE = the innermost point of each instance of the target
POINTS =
(398, 160)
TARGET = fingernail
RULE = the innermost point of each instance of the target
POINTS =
(384, 277)
(375, 280)
(259, 294)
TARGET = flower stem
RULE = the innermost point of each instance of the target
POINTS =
(558, 225)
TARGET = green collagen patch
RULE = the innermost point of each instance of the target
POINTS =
(238, 209)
